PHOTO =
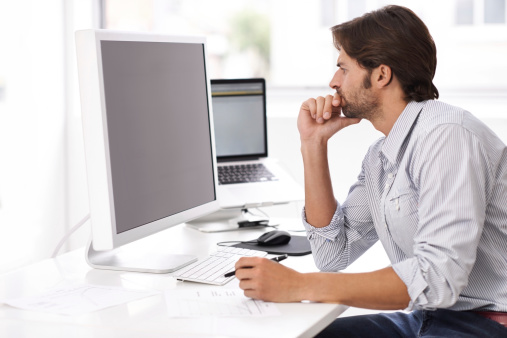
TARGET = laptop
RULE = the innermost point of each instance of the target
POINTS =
(241, 140)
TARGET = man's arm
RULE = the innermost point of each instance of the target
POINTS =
(338, 234)
(320, 203)
(270, 281)
(318, 120)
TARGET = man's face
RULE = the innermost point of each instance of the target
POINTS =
(353, 84)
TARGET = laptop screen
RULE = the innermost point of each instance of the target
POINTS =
(239, 116)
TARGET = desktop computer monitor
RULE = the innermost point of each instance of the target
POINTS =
(149, 143)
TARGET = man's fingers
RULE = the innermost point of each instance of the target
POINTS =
(328, 107)
(323, 108)
(251, 294)
(320, 109)
(337, 100)
(246, 262)
(312, 107)
(247, 284)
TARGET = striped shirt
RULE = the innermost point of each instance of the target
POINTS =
(434, 192)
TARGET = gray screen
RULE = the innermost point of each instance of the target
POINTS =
(238, 113)
(159, 131)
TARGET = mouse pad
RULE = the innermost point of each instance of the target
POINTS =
(298, 246)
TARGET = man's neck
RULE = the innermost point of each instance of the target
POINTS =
(392, 102)
(390, 112)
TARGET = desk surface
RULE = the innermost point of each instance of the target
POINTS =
(148, 317)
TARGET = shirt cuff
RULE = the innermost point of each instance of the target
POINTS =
(409, 273)
(330, 231)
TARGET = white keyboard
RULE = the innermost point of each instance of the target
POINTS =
(211, 270)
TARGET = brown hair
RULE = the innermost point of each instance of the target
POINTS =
(396, 37)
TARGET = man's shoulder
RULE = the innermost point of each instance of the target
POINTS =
(437, 113)
(443, 118)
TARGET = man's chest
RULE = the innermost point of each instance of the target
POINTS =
(394, 204)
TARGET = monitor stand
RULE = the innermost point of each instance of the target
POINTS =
(228, 220)
(123, 260)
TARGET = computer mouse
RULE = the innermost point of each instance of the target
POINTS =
(275, 237)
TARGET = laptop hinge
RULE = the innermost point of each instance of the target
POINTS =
(239, 158)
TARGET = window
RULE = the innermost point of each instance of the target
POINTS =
(465, 12)
(356, 8)
(238, 32)
(2, 85)
(478, 12)
(494, 11)
(327, 13)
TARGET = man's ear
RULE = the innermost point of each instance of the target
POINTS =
(382, 76)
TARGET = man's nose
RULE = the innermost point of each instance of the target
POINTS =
(335, 81)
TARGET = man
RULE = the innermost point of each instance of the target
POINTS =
(433, 191)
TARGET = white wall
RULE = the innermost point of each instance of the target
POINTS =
(36, 126)
(83, 14)
(32, 131)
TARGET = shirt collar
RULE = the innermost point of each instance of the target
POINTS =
(401, 129)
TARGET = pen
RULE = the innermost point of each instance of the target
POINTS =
(276, 259)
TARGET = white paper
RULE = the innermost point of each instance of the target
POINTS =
(78, 299)
(216, 302)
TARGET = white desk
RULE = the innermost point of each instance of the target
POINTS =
(147, 317)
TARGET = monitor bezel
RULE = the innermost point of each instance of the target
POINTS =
(94, 117)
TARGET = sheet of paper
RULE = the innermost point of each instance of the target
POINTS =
(216, 302)
(78, 299)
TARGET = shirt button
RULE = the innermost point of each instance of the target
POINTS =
(387, 185)
(390, 175)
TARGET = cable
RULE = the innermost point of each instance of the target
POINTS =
(247, 211)
(237, 242)
(262, 212)
(67, 235)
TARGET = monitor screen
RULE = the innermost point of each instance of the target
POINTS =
(149, 139)
(159, 136)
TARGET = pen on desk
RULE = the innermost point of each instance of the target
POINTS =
(276, 259)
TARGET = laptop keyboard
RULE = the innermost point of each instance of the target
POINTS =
(244, 173)
(212, 269)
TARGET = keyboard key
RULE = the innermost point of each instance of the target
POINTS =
(211, 270)
(235, 174)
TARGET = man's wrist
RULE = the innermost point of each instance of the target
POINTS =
(318, 287)
(304, 288)
(310, 148)
(314, 143)
(309, 287)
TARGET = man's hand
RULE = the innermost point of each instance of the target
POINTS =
(264, 279)
(320, 118)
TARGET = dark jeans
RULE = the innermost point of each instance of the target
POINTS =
(419, 323)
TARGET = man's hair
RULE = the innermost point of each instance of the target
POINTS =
(396, 37)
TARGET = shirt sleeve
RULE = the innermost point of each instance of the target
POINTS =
(349, 234)
(454, 177)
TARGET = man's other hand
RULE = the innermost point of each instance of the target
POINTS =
(264, 279)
